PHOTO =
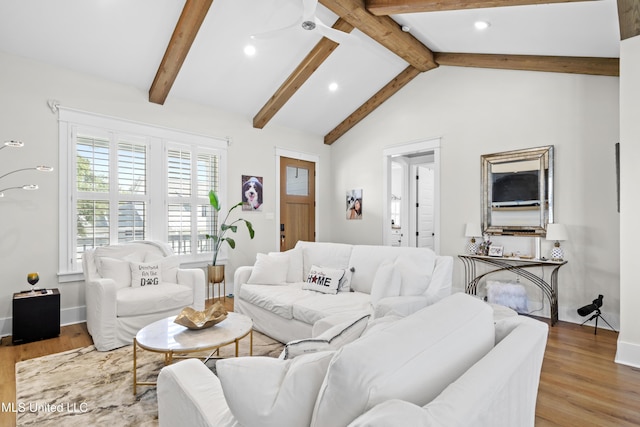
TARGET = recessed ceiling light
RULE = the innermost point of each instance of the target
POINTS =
(249, 50)
(333, 86)
(481, 25)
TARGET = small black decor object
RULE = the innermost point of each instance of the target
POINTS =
(590, 308)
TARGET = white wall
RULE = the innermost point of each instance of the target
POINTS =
(478, 111)
(629, 339)
(29, 220)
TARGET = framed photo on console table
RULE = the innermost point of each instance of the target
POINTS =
(495, 250)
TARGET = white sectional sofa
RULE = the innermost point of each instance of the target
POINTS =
(377, 280)
(446, 365)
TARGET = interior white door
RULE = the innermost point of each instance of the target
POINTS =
(424, 213)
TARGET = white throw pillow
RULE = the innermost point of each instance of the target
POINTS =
(386, 283)
(322, 279)
(345, 282)
(268, 392)
(146, 274)
(415, 277)
(295, 268)
(269, 270)
(331, 339)
(116, 269)
(169, 266)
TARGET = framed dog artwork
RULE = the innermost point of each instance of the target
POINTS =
(251, 193)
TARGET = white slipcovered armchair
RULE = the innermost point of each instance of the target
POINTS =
(131, 285)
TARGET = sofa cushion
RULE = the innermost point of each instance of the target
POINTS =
(315, 306)
(365, 259)
(145, 300)
(269, 270)
(331, 339)
(413, 359)
(323, 279)
(333, 255)
(265, 392)
(276, 299)
(295, 264)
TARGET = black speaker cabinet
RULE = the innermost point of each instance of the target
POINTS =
(36, 316)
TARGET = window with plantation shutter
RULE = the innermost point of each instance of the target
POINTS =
(191, 174)
(128, 181)
(107, 213)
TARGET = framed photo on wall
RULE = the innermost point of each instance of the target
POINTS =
(251, 193)
(354, 204)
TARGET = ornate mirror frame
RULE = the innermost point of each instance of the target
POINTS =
(518, 218)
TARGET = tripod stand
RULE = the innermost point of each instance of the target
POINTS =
(598, 315)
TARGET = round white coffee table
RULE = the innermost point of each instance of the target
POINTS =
(176, 341)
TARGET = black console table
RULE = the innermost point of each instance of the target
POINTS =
(517, 266)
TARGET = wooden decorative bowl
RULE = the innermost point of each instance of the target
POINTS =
(194, 319)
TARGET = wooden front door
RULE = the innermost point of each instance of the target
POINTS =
(297, 202)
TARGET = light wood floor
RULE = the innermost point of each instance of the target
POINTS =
(580, 385)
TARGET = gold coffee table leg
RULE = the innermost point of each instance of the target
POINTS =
(135, 379)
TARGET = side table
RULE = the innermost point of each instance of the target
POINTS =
(36, 315)
(517, 266)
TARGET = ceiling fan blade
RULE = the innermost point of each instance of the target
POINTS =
(274, 33)
(309, 9)
(337, 36)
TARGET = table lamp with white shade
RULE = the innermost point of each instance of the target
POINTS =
(472, 230)
(558, 233)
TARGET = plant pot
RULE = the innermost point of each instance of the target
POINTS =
(215, 273)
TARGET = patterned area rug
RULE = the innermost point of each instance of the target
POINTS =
(85, 387)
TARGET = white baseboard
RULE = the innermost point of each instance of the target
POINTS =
(68, 316)
(628, 354)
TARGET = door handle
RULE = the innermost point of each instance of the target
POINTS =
(282, 239)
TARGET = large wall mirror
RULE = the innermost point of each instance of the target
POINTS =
(517, 192)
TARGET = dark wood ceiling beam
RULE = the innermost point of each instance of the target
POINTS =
(629, 18)
(385, 31)
(555, 64)
(372, 103)
(296, 79)
(191, 18)
(393, 7)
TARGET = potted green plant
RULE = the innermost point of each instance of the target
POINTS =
(216, 272)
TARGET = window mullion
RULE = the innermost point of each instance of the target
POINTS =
(114, 191)
(194, 201)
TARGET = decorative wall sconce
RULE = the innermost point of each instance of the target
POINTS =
(30, 187)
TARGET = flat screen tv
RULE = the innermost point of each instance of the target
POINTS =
(514, 189)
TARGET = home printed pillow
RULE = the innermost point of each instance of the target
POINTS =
(322, 279)
(146, 274)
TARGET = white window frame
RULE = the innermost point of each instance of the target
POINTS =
(158, 139)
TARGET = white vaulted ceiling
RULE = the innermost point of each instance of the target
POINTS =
(125, 40)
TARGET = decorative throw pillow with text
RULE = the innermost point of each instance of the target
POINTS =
(146, 274)
(322, 279)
